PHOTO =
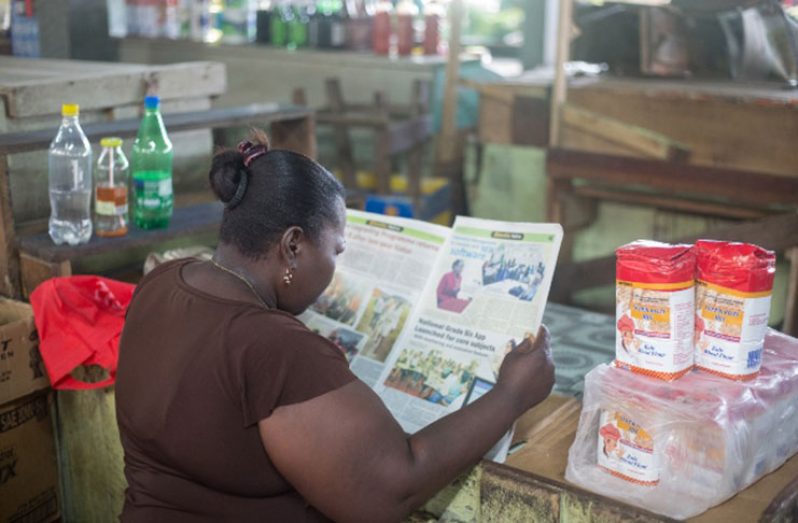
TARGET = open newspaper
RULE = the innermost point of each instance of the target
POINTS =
(425, 314)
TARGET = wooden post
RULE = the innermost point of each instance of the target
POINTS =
(343, 144)
(418, 107)
(791, 309)
(382, 144)
(298, 135)
(449, 147)
(34, 271)
(559, 90)
(9, 262)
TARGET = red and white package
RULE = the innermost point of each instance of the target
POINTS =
(655, 304)
(733, 292)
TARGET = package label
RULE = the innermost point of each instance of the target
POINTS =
(654, 332)
(730, 329)
(626, 450)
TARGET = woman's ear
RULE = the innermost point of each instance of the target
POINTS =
(291, 244)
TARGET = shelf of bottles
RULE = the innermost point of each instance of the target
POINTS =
(381, 27)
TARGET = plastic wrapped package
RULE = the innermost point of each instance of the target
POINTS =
(678, 448)
(654, 304)
(735, 282)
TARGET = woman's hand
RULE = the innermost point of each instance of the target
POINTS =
(527, 372)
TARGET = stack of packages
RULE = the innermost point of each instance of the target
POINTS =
(677, 441)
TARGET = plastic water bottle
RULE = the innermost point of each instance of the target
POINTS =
(151, 166)
(70, 179)
(110, 190)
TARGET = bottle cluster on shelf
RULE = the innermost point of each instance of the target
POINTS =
(403, 27)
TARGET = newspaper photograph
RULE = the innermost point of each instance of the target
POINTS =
(379, 278)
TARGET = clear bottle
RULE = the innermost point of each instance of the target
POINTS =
(151, 166)
(110, 190)
(69, 169)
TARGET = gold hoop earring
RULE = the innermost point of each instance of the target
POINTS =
(288, 277)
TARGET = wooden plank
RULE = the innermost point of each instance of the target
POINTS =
(408, 134)
(742, 131)
(559, 92)
(296, 134)
(343, 144)
(9, 265)
(34, 271)
(530, 121)
(745, 187)
(243, 116)
(791, 309)
(644, 141)
(446, 146)
(420, 107)
(195, 219)
(382, 145)
(111, 86)
(670, 203)
(777, 233)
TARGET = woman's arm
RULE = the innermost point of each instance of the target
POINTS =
(344, 452)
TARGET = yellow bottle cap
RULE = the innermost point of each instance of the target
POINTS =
(70, 110)
(111, 141)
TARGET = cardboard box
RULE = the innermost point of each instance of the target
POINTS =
(28, 468)
(22, 371)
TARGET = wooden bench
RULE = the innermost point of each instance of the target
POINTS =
(28, 258)
(398, 129)
(765, 204)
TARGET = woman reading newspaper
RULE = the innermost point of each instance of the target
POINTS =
(230, 409)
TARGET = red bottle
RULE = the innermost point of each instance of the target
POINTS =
(406, 12)
(381, 29)
(433, 13)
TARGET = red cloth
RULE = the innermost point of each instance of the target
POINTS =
(80, 319)
(654, 262)
(739, 266)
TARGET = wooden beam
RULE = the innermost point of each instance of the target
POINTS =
(382, 145)
(791, 310)
(633, 137)
(343, 143)
(743, 187)
(9, 262)
(34, 271)
(559, 92)
(735, 212)
(447, 147)
(243, 116)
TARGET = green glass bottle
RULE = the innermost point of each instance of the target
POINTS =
(151, 168)
(280, 20)
(298, 28)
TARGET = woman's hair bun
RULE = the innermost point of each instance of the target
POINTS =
(227, 171)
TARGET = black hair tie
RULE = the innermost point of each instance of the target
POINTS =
(241, 190)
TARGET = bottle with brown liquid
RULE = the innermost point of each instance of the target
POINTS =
(110, 190)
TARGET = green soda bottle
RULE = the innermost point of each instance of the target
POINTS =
(151, 167)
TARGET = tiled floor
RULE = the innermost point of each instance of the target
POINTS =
(580, 340)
